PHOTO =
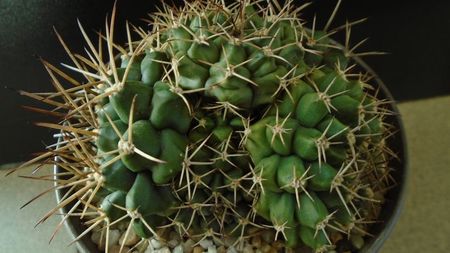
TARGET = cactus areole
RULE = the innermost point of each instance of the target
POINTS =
(223, 121)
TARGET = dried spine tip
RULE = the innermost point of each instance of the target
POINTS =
(222, 120)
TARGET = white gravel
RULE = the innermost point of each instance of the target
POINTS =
(262, 243)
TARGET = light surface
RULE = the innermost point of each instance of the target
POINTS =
(17, 232)
(424, 225)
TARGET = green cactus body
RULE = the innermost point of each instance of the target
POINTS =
(233, 117)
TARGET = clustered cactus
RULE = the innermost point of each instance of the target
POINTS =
(224, 121)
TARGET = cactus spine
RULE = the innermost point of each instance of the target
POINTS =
(223, 121)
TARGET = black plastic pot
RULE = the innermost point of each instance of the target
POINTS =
(395, 197)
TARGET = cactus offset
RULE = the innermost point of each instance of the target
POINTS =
(223, 121)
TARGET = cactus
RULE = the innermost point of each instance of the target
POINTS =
(222, 121)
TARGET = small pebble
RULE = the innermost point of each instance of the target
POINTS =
(198, 249)
(149, 249)
(277, 245)
(131, 239)
(116, 249)
(123, 226)
(266, 248)
(229, 241)
(256, 241)
(155, 243)
(188, 245)
(217, 241)
(164, 250)
(173, 243)
(248, 249)
(95, 237)
(142, 246)
(174, 236)
(178, 249)
(205, 243)
(113, 237)
(221, 249)
(212, 249)
(231, 250)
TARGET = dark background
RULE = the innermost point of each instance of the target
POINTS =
(415, 33)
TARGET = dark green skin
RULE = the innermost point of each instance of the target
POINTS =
(232, 174)
(336, 155)
(236, 123)
(179, 39)
(145, 138)
(257, 144)
(134, 74)
(204, 53)
(289, 166)
(233, 54)
(323, 176)
(108, 205)
(312, 211)
(282, 210)
(152, 70)
(264, 202)
(108, 139)
(308, 238)
(141, 229)
(347, 108)
(267, 85)
(376, 129)
(356, 89)
(305, 143)
(232, 89)
(117, 176)
(260, 64)
(336, 128)
(343, 217)
(292, 236)
(332, 83)
(293, 54)
(320, 39)
(313, 59)
(311, 110)
(269, 167)
(253, 17)
(123, 99)
(173, 146)
(277, 145)
(192, 75)
(221, 133)
(109, 110)
(287, 104)
(330, 199)
(335, 57)
(145, 197)
(163, 100)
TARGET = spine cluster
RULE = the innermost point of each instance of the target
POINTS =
(224, 121)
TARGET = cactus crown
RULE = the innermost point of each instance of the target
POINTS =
(224, 121)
